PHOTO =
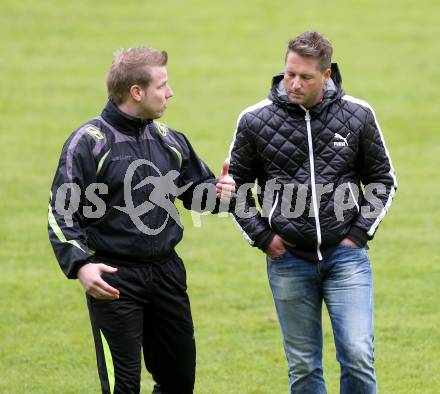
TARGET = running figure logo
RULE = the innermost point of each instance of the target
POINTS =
(164, 189)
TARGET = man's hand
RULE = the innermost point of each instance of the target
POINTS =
(90, 277)
(348, 242)
(225, 186)
(276, 247)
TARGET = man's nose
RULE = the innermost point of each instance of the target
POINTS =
(169, 93)
(296, 83)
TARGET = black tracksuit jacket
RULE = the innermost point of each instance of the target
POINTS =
(101, 151)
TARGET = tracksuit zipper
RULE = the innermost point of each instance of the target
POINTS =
(313, 184)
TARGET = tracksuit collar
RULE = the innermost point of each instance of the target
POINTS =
(122, 121)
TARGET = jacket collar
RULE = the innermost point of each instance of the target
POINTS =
(123, 122)
(333, 90)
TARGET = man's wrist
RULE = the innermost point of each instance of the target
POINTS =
(264, 241)
(79, 265)
(358, 236)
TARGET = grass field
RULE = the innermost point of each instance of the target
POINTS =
(54, 57)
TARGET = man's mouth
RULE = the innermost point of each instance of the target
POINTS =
(295, 94)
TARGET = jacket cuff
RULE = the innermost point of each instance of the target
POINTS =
(73, 274)
(264, 239)
(358, 236)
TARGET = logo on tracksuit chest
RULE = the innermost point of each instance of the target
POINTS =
(340, 140)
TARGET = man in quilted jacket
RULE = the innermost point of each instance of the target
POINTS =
(325, 182)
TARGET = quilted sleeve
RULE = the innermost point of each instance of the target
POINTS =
(243, 165)
(378, 177)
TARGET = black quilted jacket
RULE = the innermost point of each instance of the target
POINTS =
(309, 166)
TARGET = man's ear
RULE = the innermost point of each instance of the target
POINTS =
(136, 93)
(327, 73)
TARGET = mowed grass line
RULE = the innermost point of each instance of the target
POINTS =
(222, 57)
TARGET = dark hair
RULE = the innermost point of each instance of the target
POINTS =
(128, 69)
(312, 44)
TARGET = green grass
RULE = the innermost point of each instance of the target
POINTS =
(54, 57)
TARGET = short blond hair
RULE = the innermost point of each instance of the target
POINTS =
(128, 69)
(312, 44)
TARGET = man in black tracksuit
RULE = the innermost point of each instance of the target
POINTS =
(311, 147)
(113, 225)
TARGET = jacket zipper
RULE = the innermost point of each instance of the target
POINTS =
(273, 209)
(312, 180)
(146, 155)
(352, 196)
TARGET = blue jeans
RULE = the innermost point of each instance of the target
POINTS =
(344, 282)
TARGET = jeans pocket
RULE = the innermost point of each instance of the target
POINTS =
(279, 257)
(355, 247)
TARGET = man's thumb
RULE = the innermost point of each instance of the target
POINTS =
(107, 268)
(225, 168)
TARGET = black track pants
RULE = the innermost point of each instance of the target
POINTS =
(153, 313)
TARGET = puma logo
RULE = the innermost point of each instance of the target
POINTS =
(343, 141)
